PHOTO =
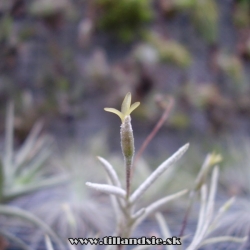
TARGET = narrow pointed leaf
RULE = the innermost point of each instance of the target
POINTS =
(12, 194)
(223, 239)
(115, 111)
(139, 213)
(157, 173)
(108, 189)
(23, 153)
(209, 213)
(14, 211)
(126, 103)
(110, 171)
(157, 204)
(197, 237)
(48, 243)
(133, 107)
(221, 211)
(164, 229)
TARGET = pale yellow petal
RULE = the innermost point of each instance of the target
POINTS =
(126, 103)
(133, 107)
(115, 111)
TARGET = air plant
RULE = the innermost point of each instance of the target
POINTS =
(22, 172)
(208, 220)
(237, 222)
(125, 202)
(128, 216)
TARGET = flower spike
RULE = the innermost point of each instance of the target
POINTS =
(126, 108)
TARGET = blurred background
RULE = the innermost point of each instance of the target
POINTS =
(63, 61)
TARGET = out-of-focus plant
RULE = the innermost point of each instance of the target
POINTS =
(169, 50)
(241, 13)
(204, 14)
(173, 6)
(76, 212)
(208, 221)
(244, 46)
(124, 18)
(52, 13)
(237, 182)
(46, 8)
(6, 27)
(201, 95)
(205, 17)
(22, 170)
(21, 173)
(26, 216)
(232, 66)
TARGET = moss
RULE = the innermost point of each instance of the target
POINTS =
(205, 18)
(124, 18)
(242, 14)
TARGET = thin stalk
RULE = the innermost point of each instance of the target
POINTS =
(187, 214)
(159, 124)
(128, 177)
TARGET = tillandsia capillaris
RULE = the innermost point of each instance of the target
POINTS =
(124, 203)
(22, 170)
(21, 173)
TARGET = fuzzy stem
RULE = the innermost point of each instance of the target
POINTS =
(127, 144)
(128, 177)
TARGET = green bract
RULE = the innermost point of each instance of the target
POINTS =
(126, 108)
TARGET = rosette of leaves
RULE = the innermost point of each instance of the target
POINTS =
(22, 170)
(124, 18)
